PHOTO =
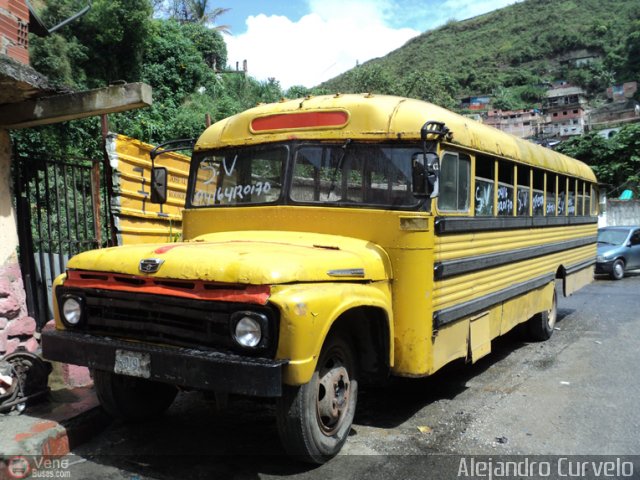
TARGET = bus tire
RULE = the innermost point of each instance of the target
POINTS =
(132, 399)
(314, 419)
(542, 324)
(617, 270)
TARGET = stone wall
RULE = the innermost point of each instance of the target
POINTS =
(16, 327)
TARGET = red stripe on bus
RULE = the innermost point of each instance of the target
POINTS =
(194, 289)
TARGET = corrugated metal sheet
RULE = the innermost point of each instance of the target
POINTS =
(136, 219)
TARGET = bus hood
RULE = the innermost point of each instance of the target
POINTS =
(247, 257)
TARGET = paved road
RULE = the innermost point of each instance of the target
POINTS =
(576, 394)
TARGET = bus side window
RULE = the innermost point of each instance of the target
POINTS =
(562, 195)
(538, 193)
(505, 189)
(572, 197)
(580, 198)
(591, 205)
(551, 195)
(455, 173)
(522, 196)
(484, 186)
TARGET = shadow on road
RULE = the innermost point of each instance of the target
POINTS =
(195, 440)
(395, 403)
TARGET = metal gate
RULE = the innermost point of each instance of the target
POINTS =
(59, 215)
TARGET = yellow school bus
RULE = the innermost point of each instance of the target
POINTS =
(330, 242)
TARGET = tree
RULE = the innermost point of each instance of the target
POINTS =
(198, 11)
(102, 46)
(615, 160)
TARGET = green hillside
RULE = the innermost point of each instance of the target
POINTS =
(510, 53)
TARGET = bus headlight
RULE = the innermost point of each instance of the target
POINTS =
(248, 328)
(72, 310)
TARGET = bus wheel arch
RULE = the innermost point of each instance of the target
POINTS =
(314, 419)
(541, 326)
(369, 331)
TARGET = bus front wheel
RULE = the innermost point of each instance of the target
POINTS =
(314, 419)
(132, 399)
(542, 324)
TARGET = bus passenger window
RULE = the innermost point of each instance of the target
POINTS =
(571, 198)
(562, 195)
(455, 173)
(538, 193)
(588, 196)
(505, 189)
(580, 198)
(551, 195)
(484, 186)
(522, 198)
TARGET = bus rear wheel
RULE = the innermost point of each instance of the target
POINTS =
(132, 399)
(314, 419)
(542, 324)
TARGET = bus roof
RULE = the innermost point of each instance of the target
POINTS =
(368, 117)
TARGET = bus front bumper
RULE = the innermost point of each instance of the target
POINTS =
(185, 367)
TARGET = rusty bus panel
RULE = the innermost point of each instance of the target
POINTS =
(136, 219)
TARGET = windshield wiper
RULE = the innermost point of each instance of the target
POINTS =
(334, 175)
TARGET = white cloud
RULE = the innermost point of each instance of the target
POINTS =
(442, 11)
(326, 42)
(337, 34)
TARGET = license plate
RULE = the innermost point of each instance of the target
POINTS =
(133, 364)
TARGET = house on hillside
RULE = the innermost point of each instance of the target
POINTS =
(621, 93)
(565, 112)
(521, 123)
(27, 100)
(610, 117)
(579, 58)
(477, 103)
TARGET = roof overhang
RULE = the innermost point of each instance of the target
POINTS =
(72, 106)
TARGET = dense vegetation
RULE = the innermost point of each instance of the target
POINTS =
(511, 54)
(120, 40)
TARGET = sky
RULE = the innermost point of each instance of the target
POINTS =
(305, 42)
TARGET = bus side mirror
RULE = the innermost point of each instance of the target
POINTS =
(425, 170)
(158, 185)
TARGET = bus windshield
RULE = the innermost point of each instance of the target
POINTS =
(345, 174)
(367, 174)
(241, 176)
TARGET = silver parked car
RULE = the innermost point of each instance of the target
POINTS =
(618, 250)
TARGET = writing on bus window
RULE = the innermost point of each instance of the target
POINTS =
(238, 192)
(523, 201)
(538, 203)
(505, 200)
(484, 197)
(571, 207)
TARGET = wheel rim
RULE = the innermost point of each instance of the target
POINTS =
(333, 395)
(618, 270)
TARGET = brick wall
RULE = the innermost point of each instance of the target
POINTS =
(14, 30)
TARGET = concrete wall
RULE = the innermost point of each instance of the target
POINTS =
(623, 212)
